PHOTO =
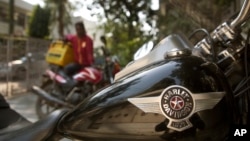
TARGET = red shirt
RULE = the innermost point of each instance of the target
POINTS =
(83, 49)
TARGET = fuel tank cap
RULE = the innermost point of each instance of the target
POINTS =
(177, 53)
(177, 46)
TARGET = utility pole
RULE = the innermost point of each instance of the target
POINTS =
(10, 43)
(11, 16)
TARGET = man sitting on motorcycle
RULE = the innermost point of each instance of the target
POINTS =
(82, 45)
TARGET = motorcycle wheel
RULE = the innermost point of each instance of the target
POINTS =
(44, 107)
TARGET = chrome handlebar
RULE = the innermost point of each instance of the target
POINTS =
(224, 32)
(243, 15)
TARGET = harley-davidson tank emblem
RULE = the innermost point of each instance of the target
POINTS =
(178, 104)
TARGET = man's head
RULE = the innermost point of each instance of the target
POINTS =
(80, 29)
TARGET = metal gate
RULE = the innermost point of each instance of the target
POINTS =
(22, 62)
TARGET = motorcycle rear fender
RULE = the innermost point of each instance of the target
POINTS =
(53, 76)
(89, 74)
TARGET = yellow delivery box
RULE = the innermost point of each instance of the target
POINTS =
(60, 53)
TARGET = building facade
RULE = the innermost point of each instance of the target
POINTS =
(21, 17)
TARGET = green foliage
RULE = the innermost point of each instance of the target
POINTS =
(175, 22)
(61, 14)
(39, 23)
(186, 16)
(120, 41)
(57, 13)
(223, 3)
(124, 24)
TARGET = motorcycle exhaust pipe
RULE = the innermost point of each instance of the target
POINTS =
(40, 92)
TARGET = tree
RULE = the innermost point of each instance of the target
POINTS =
(188, 15)
(11, 16)
(61, 11)
(120, 43)
(124, 21)
(39, 23)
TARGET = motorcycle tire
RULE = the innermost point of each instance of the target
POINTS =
(44, 107)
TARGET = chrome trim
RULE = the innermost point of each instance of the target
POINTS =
(243, 15)
(201, 101)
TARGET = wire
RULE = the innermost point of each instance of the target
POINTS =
(246, 70)
(242, 83)
(244, 86)
(241, 92)
(198, 30)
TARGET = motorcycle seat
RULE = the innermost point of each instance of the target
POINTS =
(11, 120)
(39, 130)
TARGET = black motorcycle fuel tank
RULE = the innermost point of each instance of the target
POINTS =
(181, 96)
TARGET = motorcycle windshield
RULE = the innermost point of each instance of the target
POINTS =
(143, 50)
(168, 46)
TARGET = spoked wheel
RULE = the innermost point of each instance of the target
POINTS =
(43, 106)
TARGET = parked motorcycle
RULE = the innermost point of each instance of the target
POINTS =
(60, 90)
(178, 91)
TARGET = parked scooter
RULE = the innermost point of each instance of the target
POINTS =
(60, 90)
(177, 92)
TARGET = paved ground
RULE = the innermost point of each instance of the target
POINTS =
(25, 105)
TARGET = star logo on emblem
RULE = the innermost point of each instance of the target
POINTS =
(176, 103)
